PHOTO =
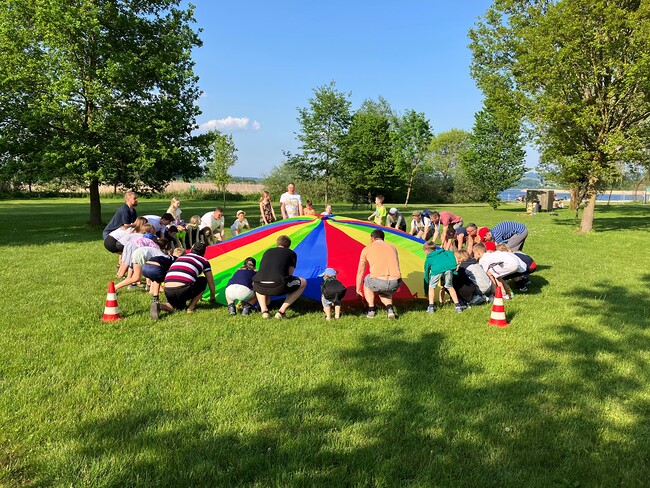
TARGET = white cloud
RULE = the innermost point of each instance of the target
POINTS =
(231, 124)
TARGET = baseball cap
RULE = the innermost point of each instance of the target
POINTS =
(241, 212)
(490, 246)
(392, 211)
(328, 272)
(482, 231)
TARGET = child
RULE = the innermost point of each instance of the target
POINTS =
(332, 292)
(175, 211)
(439, 266)
(192, 232)
(155, 270)
(267, 214)
(140, 256)
(520, 279)
(240, 288)
(420, 225)
(240, 224)
(498, 265)
(469, 267)
(309, 210)
(328, 211)
(171, 234)
(379, 215)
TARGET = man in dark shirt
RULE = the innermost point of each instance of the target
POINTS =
(275, 277)
(126, 214)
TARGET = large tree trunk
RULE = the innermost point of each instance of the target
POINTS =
(574, 202)
(587, 222)
(95, 204)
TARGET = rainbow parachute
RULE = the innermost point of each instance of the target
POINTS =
(319, 242)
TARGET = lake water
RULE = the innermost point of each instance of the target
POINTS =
(512, 194)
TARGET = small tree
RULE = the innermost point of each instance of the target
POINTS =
(225, 157)
(494, 160)
(410, 147)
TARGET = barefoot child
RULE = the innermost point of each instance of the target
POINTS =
(332, 292)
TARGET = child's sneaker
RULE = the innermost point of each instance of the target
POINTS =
(133, 286)
(246, 309)
(507, 297)
(459, 309)
(371, 314)
(232, 310)
(390, 313)
(431, 309)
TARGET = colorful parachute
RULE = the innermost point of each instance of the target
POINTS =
(319, 242)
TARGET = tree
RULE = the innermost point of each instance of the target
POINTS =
(494, 160)
(324, 125)
(447, 150)
(578, 70)
(100, 91)
(410, 146)
(367, 154)
(225, 157)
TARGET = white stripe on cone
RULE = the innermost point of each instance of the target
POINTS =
(498, 301)
(111, 296)
(498, 316)
(111, 311)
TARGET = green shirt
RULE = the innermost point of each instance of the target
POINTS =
(380, 215)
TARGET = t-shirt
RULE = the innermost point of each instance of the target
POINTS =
(502, 263)
(383, 260)
(243, 276)
(186, 269)
(505, 230)
(291, 204)
(208, 220)
(165, 261)
(239, 225)
(121, 232)
(155, 221)
(380, 214)
(176, 213)
(124, 215)
(275, 264)
(143, 254)
(424, 222)
(448, 218)
(396, 221)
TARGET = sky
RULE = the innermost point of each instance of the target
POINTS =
(260, 61)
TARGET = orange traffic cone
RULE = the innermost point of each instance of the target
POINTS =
(498, 316)
(111, 310)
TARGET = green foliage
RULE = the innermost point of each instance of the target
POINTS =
(99, 92)
(367, 163)
(578, 71)
(494, 160)
(323, 126)
(411, 140)
(225, 157)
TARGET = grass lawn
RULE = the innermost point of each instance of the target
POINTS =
(560, 398)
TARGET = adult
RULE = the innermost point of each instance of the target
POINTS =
(395, 219)
(420, 225)
(449, 223)
(213, 222)
(514, 234)
(291, 203)
(467, 235)
(183, 283)
(275, 277)
(384, 277)
(160, 223)
(125, 215)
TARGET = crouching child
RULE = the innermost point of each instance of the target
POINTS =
(439, 267)
(332, 292)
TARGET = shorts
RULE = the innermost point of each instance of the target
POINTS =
(384, 288)
(113, 245)
(448, 279)
(289, 285)
(179, 296)
(239, 292)
(325, 301)
(153, 272)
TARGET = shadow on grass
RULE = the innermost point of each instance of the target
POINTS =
(400, 410)
(614, 217)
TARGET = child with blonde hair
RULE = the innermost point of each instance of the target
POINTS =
(267, 214)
